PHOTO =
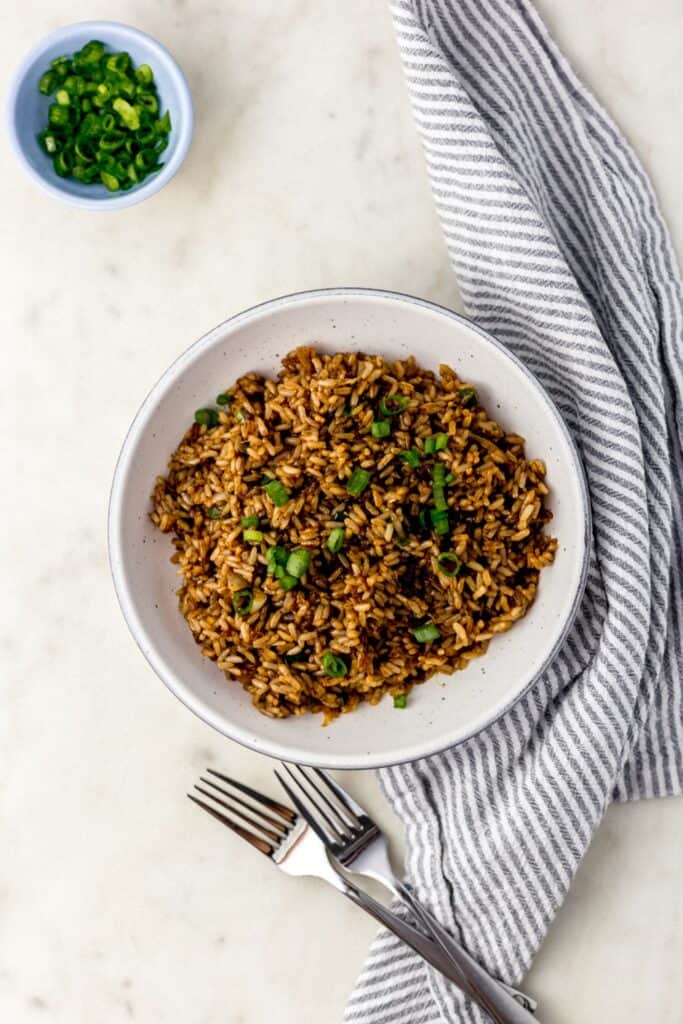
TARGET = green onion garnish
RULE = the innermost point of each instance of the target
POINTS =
(214, 513)
(249, 521)
(392, 405)
(400, 700)
(438, 491)
(242, 602)
(286, 581)
(253, 536)
(277, 492)
(412, 457)
(380, 428)
(335, 541)
(425, 634)
(103, 105)
(449, 563)
(206, 417)
(439, 518)
(333, 665)
(358, 481)
(450, 477)
(276, 556)
(437, 443)
(224, 398)
(239, 416)
(467, 394)
(298, 562)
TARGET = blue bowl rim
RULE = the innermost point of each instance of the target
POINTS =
(185, 116)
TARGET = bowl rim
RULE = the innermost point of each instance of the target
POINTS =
(115, 201)
(237, 733)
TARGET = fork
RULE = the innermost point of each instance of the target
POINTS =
(286, 838)
(356, 844)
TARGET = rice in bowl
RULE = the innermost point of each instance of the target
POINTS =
(350, 529)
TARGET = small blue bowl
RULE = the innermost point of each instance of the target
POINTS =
(27, 111)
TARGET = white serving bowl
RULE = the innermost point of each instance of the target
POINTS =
(446, 709)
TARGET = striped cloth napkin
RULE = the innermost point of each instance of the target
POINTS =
(561, 253)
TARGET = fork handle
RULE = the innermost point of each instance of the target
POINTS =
(452, 948)
(483, 990)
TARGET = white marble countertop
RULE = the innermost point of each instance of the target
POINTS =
(116, 903)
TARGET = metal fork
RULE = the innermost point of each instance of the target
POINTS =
(356, 843)
(286, 839)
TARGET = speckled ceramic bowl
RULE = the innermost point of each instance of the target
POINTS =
(27, 111)
(446, 709)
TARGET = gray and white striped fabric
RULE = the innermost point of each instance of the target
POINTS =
(560, 251)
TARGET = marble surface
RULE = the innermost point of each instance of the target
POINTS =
(117, 902)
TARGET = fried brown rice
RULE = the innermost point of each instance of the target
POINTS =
(349, 529)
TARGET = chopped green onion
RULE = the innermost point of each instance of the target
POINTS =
(276, 556)
(239, 416)
(335, 541)
(439, 518)
(61, 66)
(425, 634)
(91, 53)
(440, 442)
(63, 163)
(253, 536)
(118, 62)
(249, 521)
(242, 602)
(468, 393)
(58, 116)
(430, 445)
(47, 83)
(449, 563)
(380, 428)
(412, 457)
(358, 481)
(105, 98)
(214, 513)
(333, 665)
(450, 477)
(49, 141)
(286, 581)
(298, 562)
(277, 492)
(224, 398)
(148, 102)
(392, 405)
(144, 74)
(400, 700)
(206, 417)
(439, 494)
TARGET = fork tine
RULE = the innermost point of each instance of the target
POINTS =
(276, 822)
(286, 812)
(302, 808)
(345, 815)
(347, 802)
(260, 844)
(337, 835)
(254, 822)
